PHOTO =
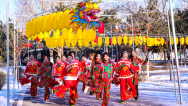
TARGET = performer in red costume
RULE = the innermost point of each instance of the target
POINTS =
(136, 61)
(107, 76)
(45, 76)
(58, 69)
(70, 77)
(96, 84)
(72, 53)
(30, 71)
(83, 72)
(91, 56)
(123, 67)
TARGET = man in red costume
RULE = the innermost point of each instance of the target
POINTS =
(123, 67)
(30, 71)
(70, 77)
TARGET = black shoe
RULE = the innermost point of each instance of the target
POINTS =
(91, 93)
(136, 98)
(33, 96)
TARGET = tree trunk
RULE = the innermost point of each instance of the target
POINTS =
(62, 52)
(164, 54)
(59, 51)
(51, 55)
(2, 66)
(168, 51)
(184, 57)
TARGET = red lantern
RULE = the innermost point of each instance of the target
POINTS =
(101, 28)
(149, 26)
(110, 41)
(96, 39)
(137, 29)
(158, 40)
(28, 45)
(134, 33)
(125, 29)
(138, 33)
(130, 28)
(37, 39)
(146, 37)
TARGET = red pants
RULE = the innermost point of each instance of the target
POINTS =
(33, 89)
(98, 95)
(47, 93)
(106, 94)
(135, 83)
(83, 87)
(60, 91)
(125, 93)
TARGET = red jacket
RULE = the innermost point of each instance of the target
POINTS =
(82, 67)
(58, 69)
(32, 67)
(123, 68)
(71, 70)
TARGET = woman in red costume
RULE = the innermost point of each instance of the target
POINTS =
(45, 76)
(58, 69)
(136, 61)
(96, 84)
(70, 77)
(83, 72)
(30, 71)
(72, 53)
(123, 67)
(89, 62)
(107, 76)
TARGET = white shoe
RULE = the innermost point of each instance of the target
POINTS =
(86, 89)
(30, 77)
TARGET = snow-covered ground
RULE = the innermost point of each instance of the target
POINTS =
(181, 68)
(12, 85)
(3, 92)
(159, 88)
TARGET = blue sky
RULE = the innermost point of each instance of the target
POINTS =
(12, 8)
(3, 9)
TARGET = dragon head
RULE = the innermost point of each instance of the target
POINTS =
(85, 14)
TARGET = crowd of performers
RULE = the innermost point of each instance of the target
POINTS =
(96, 73)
